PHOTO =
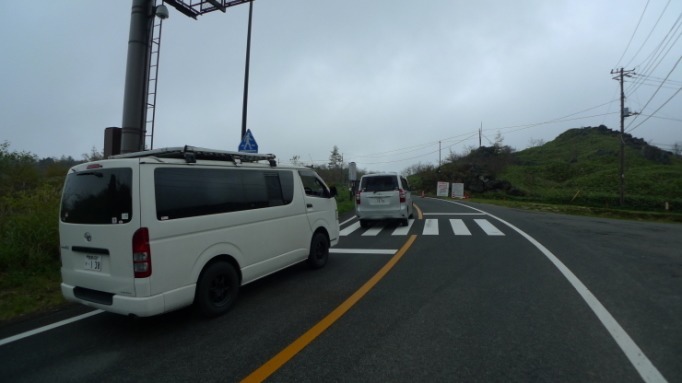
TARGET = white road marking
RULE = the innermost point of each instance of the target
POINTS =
(635, 355)
(363, 251)
(435, 214)
(372, 231)
(488, 227)
(430, 227)
(403, 230)
(48, 327)
(458, 227)
(349, 229)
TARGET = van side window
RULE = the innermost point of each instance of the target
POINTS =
(313, 185)
(190, 192)
(406, 185)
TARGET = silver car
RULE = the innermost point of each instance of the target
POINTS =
(383, 196)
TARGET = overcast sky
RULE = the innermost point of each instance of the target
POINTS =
(384, 80)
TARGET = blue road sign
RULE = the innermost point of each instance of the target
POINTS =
(248, 144)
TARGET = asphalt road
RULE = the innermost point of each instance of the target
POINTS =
(478, 300)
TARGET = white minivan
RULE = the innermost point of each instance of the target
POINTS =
(149, 232)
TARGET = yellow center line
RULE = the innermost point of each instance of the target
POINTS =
(274, 364)
(420, 215)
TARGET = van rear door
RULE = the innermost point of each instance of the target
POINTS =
(98, 217)
(380, 193)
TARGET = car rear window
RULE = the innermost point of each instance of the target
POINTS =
(379, 183)
(101, 196)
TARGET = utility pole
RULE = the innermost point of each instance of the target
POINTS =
(621, 74)
(246, 73)
(137, 76)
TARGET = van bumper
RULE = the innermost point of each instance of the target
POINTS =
(137, 306)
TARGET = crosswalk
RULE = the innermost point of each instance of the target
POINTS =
(432, 227)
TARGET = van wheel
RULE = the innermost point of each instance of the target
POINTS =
(364, 223)
(319, 251)
(217, 289)
(404, 222)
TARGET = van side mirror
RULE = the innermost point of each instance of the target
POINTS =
(332, 191)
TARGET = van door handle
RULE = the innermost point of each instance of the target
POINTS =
(309, 205)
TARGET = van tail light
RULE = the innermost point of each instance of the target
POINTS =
(357, 197)
(402, 195)
(142, 255)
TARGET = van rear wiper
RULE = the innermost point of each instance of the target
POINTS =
(96, 174)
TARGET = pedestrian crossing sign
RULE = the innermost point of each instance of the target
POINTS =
(248, 144)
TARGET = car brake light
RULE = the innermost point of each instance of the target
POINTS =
(142, 255)
(402, 195)
(357, 197)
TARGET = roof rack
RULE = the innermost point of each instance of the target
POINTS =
(192, 153)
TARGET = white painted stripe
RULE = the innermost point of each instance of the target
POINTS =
(434, 214)
(403, 230)
(47, 328)
(488, 227)
(639, 361)
(458, 227)
(363, 251)
(372, 231)
(346, 221)
(430, 227)
(349, 229)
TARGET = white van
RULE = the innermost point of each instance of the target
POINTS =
(150, 232)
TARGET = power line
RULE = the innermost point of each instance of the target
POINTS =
(654, 95)
(650, 32)
(633, 33)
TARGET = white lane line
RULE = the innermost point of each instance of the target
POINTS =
(635, 355)
(363, 251)
(48, 327)
(430, 227)
(403, 230)
(459, 228)
(488, 227)
(349, 229)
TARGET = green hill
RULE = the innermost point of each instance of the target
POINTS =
(579, 167)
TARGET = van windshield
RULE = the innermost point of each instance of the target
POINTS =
(98, 196)
(379, 183)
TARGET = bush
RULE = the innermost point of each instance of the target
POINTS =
(29, 236)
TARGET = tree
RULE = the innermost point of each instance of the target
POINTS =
(94, 155)
(335, 158)
(296, 160)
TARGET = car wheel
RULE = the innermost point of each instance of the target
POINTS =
(217, 289)
(364, 223)
(319, 251)
(404, 222)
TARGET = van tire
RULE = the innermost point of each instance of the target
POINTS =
(319, 251)
(404, 222)
(217, 289)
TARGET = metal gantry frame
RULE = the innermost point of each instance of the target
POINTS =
(142, 68)
(194, 8)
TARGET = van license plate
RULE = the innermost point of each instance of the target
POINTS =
(378, 201)
(93, 262)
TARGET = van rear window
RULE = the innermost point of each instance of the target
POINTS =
(101, 196)
(190, 192)
(379, 183)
